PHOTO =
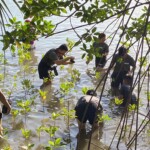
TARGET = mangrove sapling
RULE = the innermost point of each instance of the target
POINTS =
(65, 89)
(26, 133)
(54, 116)
(69, 114)
(25, 106)
(118, 101)
(43, 97)
(75, 75)
(54, 144)
(38, 130)
(14, 113)
(102, 118)
(23, 56)
(13, 88)
(27, 86)
(50, 130)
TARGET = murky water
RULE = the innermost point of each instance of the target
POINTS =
(40, 115)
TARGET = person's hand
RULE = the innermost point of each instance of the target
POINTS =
(71, 57)
(72, 60)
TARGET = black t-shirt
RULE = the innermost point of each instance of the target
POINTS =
(50, 57)
(101, 48)
(123, 64)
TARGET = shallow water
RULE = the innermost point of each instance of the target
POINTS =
(40, 115)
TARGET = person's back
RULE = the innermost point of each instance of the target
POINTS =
(49, 58)
(87, 108)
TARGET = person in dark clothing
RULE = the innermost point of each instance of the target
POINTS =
(125, 92)
(122, 63)
(53, 56)
(102, 50)
(87, 108)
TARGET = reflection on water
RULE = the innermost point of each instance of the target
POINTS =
(83, 139)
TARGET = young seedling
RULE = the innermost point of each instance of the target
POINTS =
(75, 75)
(118, 101)
(26, 133)
(55, 116)
(50, 130)
(38, 130)
(25, 106)
(43, 97)
(27, 86)
(103, 118)
(54, 144)
(14, 113)
(65, 87)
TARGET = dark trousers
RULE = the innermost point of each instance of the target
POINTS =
(43, 70)
(100, 61)
(117, 78)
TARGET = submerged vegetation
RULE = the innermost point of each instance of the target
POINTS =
(134, 33)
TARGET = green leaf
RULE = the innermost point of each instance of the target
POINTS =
(83, 55)
(51, 143)
(57, 141)
(94, 30)
(77, 43)
(79, 14)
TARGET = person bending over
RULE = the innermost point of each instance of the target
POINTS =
(87, 109)
(53, 56)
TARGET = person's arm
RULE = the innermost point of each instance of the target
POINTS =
(5, 102)
(64, 61)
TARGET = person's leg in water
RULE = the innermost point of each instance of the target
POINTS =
(44, 74)
(115, 84)
(47, 81)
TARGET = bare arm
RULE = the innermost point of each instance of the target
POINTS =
(5, 102)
